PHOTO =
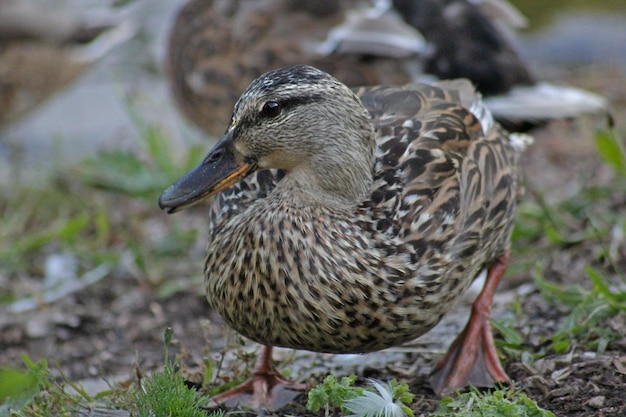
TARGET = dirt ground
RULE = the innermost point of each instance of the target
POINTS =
(115, 326)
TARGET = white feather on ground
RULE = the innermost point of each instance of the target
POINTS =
(372, 404)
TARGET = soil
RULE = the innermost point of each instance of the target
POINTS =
(114, 328)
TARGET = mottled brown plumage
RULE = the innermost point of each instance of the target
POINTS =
(380, 209)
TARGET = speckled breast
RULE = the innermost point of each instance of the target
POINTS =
(332, 295)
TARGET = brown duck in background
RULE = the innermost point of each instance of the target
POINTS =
(351, 222)
(215, 46)
(43, 50)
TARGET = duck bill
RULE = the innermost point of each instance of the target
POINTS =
(220, 169)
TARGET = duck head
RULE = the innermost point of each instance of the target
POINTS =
(298, 119)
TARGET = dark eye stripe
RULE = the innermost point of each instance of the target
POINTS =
(273, 108)
(296, 101)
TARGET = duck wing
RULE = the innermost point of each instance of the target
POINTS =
(446, 176)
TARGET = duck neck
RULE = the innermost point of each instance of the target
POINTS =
(336, 178)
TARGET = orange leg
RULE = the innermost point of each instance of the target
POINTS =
(472, 357)
(266, 388)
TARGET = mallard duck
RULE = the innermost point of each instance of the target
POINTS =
(351, 221)
(43, 50)
(216, 46)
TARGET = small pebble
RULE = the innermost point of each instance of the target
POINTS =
(37, 327)
(596, 402)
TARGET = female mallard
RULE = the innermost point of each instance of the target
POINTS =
(385, 204)
(217, 46)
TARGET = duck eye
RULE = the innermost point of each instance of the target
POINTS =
(271, 109)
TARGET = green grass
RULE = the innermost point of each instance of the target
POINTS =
(585, 226)
(33, 392)
(498, 403)
(92, 227)
(332, 393)
(17, 389)
(95, 225)
(590, 309)
(47, 218)
(165, 393)
(610, 146)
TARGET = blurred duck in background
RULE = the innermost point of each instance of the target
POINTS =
(217, 46)
(43, 50)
